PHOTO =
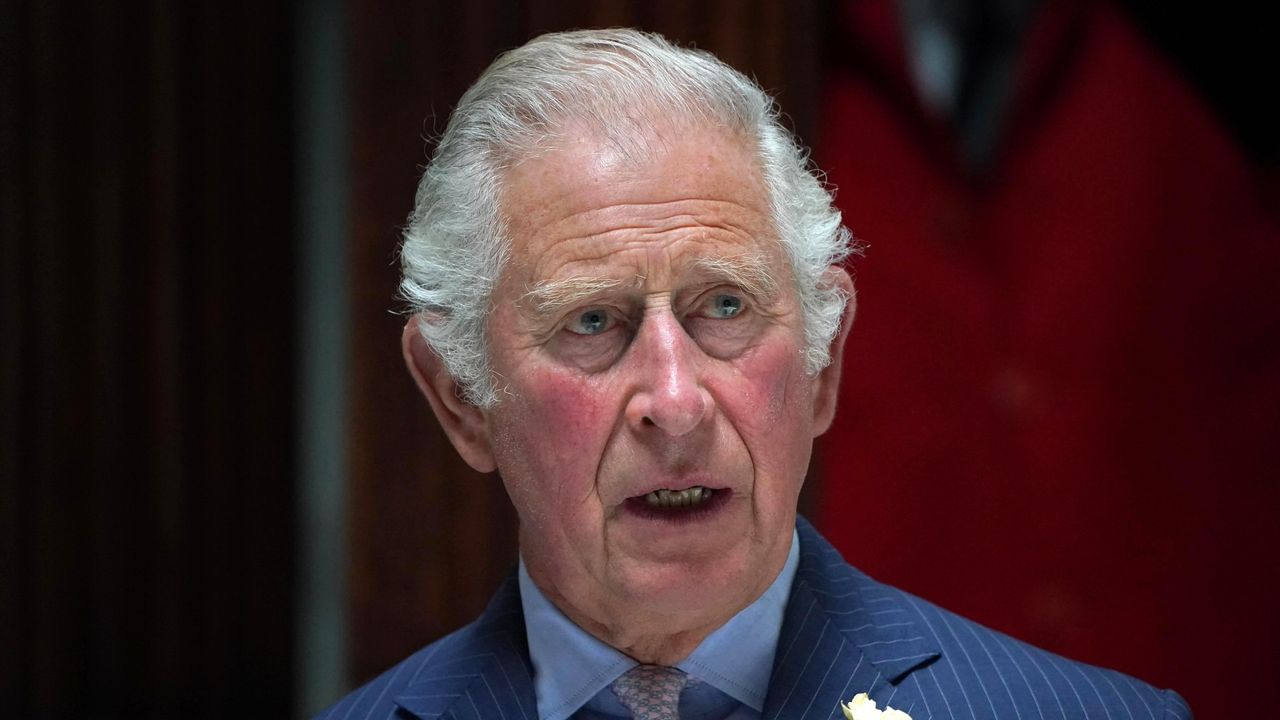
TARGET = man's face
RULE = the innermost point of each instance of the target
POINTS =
(640, 347)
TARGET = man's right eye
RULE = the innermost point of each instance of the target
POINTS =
(590, 322)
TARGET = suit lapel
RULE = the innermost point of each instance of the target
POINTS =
(480, 673)
(842, 634)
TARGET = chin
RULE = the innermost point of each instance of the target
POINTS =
(702, 586)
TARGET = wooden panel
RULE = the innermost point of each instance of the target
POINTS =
(147, 542)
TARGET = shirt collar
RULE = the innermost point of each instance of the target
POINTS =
(570, 665)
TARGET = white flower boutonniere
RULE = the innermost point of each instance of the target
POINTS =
(862, 707)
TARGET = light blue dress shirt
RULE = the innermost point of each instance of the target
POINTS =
(730, 669)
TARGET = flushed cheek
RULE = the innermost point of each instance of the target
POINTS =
(778, 393)
(557, 428)
(571, 406)
(773, 420)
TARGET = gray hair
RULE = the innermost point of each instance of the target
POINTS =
(456, 244)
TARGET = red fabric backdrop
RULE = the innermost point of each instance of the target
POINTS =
(1062, 395)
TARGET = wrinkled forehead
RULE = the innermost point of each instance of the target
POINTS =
(586, 195)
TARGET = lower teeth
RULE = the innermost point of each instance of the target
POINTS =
(678, 498)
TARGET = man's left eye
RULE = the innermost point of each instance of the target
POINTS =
(724, 305)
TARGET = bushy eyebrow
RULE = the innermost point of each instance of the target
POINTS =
(549, 297)
(749, 272)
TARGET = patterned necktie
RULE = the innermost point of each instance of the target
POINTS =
(651, 692)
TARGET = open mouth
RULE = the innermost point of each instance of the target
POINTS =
(691, 497)
(678, 505)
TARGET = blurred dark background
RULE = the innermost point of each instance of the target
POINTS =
(220, 494)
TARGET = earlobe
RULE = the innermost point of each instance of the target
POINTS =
(463, 423)
(827, 383)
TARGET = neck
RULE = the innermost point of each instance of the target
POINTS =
(649, 648)
(652, 636)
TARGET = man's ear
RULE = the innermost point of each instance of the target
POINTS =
(464, 423)
(827, 383)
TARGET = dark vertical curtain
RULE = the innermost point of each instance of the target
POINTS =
(430, 539)
(146, 321)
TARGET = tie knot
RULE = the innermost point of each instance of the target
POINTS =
(651, 692)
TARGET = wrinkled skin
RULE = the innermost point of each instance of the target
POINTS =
(627, 363)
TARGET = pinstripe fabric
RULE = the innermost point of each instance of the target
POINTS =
(843, 634)
(480, 672)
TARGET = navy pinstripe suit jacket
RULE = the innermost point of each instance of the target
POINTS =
(843, 633)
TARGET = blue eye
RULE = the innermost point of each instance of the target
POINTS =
(591, 322)
(725, 306)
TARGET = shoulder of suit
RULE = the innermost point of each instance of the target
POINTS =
(989, 670)
(376, 698)
(1004, 668)
(455, 653)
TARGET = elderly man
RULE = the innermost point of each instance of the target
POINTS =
(630, 303)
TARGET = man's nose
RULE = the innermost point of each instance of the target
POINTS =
(668, 393)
